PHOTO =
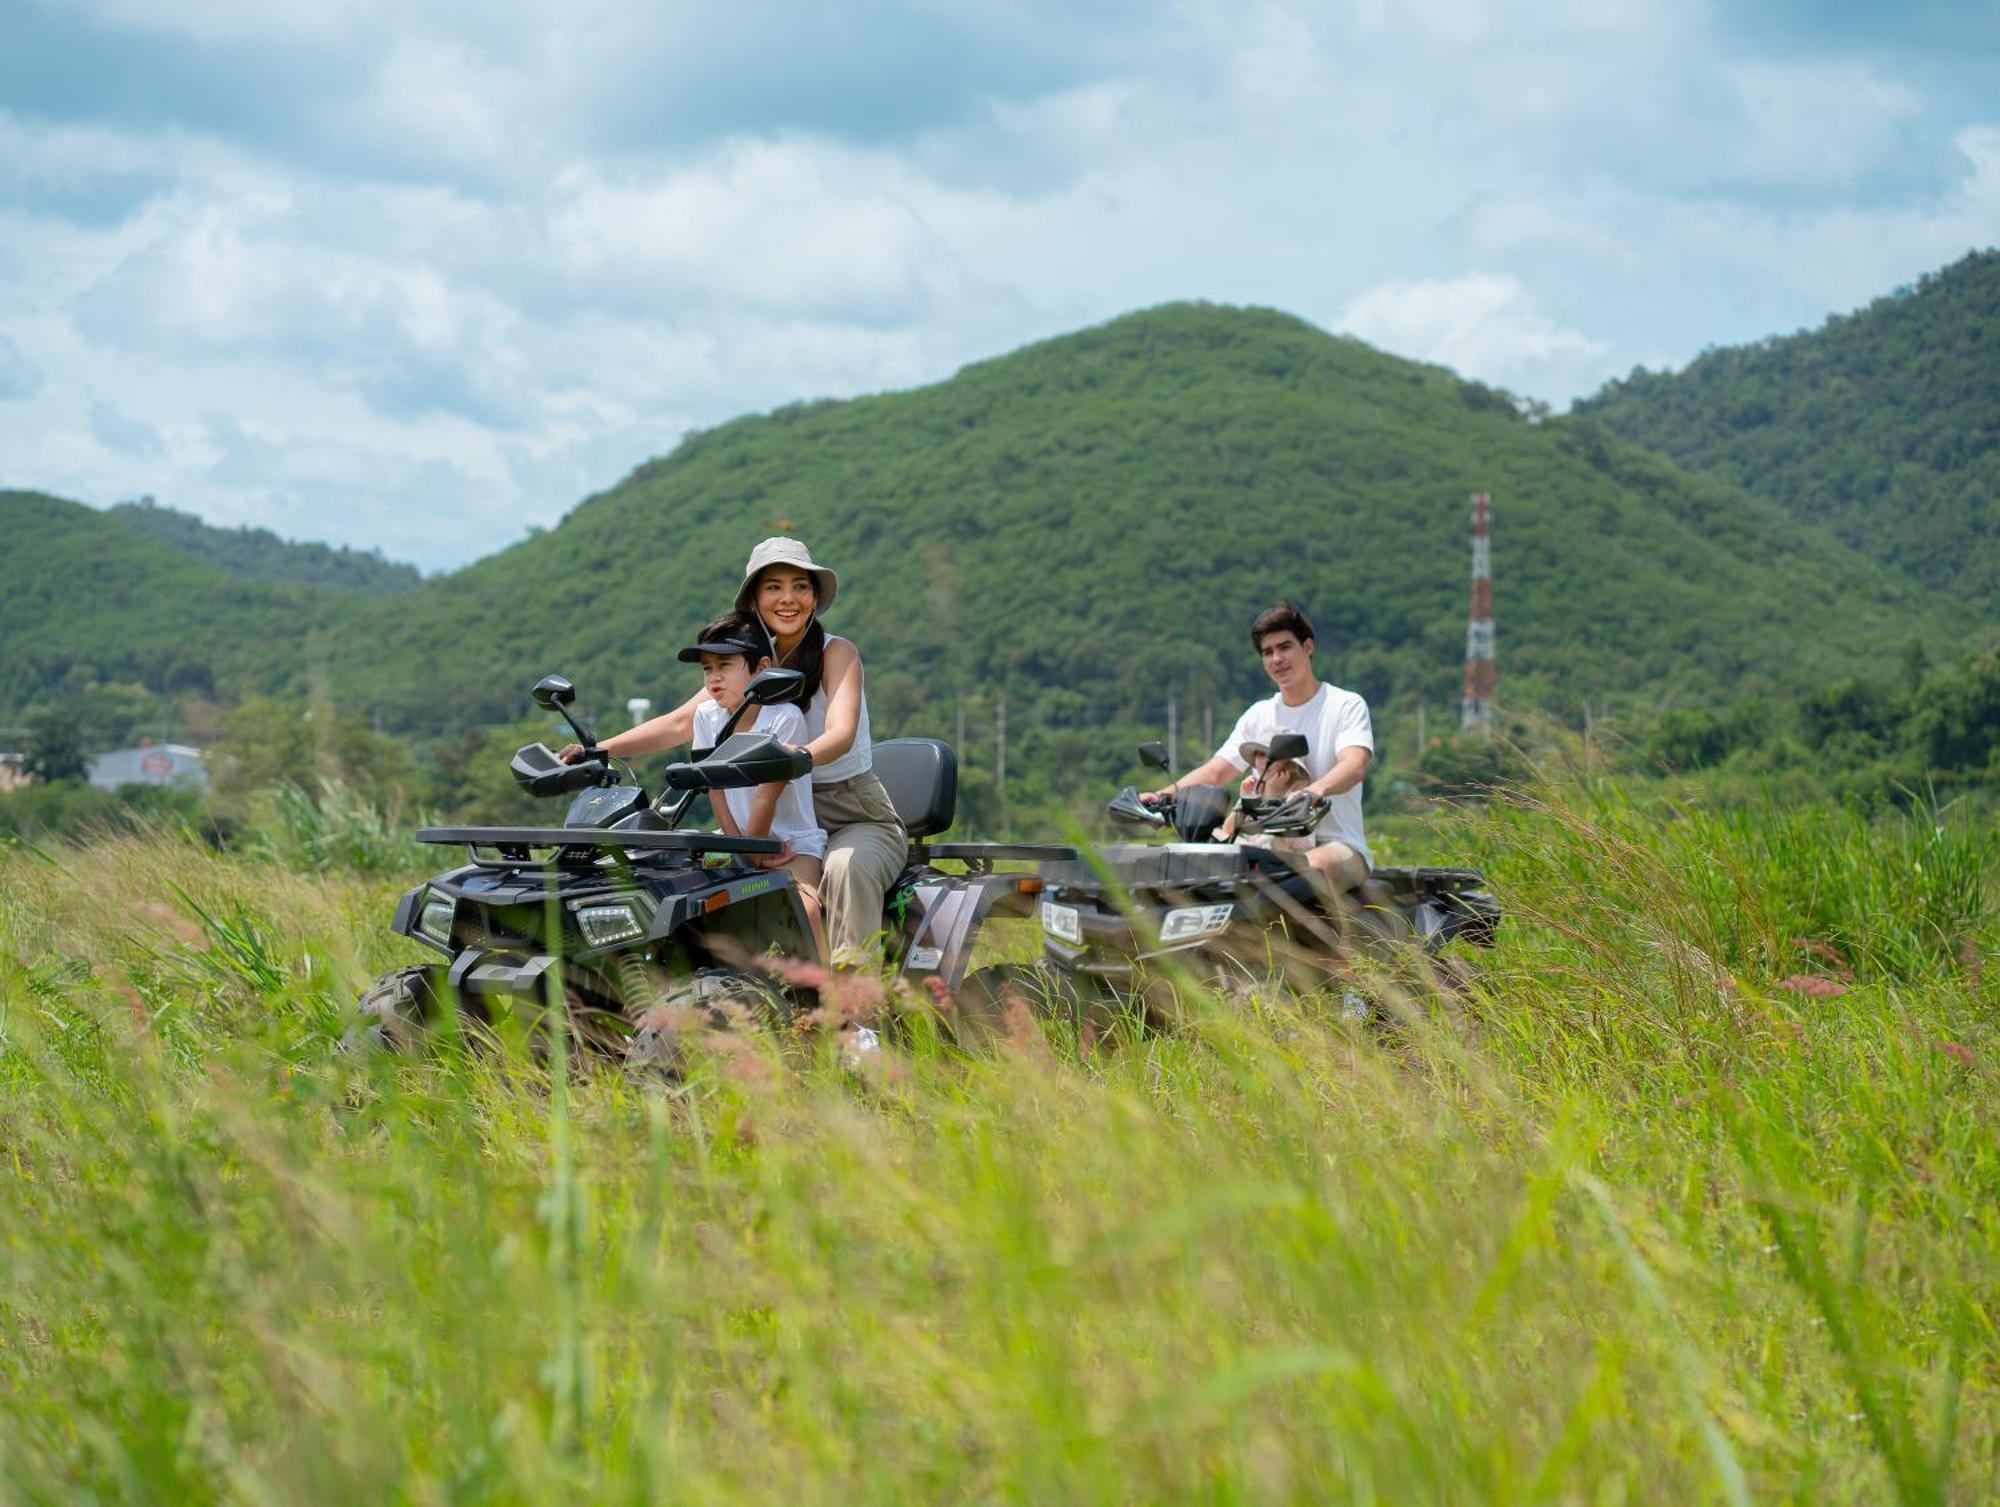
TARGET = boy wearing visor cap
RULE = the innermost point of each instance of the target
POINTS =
(730, 650)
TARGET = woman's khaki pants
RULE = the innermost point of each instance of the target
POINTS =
(865, 851)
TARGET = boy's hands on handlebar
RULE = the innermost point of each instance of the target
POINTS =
(569, 753)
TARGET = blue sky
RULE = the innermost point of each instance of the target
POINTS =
(420, 276)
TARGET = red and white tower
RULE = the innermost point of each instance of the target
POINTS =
(1480, 674)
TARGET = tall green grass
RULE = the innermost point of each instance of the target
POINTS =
(1631, 1221)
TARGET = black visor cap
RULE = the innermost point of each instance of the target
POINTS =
(745, 642)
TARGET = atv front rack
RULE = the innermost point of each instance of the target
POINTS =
(515, 843)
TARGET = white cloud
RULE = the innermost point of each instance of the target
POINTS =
(1843, 256)
(491, 257)
(19, 376)
(1817, 125)
(793, 227)
(1510, 224)
(1483, 325)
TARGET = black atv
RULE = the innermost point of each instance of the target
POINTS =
(626, 913)
(1237, 912)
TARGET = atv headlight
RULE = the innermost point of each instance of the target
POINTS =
(434, 920)
(1195, 921)
(1063, 921)
(604, 924)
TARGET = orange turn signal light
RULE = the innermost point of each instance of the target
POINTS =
(715, 901)
(1029, 886)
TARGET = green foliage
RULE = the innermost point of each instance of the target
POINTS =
(267, 744)
(54, 750)
(1469, 766)
(1634, 1220)
(1881, 426)
(335, 829)
(1684, 738)
(76, 811)
(1933, 739)
(260, 555)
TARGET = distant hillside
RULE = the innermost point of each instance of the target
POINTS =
(1883, 425)
(1088, 525)
(85, 597)
(260, 555)
(1085, 526)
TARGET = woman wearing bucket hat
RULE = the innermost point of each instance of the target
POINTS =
(786, 591)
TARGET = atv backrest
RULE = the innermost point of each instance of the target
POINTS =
(921, 776)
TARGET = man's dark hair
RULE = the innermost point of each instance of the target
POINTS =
(1279, 619)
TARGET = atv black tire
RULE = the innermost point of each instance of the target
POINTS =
(707, 1002)
(987, 995)
(396, 1010)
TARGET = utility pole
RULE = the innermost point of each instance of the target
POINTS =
(1422, 741)
(1480, 674)
(1000, 743)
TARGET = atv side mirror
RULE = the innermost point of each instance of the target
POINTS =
(1288, 746)
(768, 687)
(1155, 754)
(554, 692)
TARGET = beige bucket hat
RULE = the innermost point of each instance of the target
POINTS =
(778, 550)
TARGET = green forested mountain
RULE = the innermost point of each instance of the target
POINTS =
(85, 598)
(260, 555)
(1086, 527)
(1883, 425)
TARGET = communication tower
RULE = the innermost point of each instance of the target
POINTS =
(1480, 674)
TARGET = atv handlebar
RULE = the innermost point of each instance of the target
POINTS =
(540, 772)
(1294, 814)
(738, 761)
(1194, 812)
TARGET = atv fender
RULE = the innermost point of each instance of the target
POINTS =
(945, 914)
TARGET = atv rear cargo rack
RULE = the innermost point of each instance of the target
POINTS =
(979, 857)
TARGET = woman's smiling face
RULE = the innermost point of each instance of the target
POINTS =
(786, 597)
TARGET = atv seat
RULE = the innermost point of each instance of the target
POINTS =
(921, 776)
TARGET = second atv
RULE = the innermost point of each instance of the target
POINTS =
(1238, 911)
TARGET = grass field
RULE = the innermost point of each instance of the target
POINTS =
(1642, 1220)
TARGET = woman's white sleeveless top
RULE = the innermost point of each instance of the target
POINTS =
(858, 759)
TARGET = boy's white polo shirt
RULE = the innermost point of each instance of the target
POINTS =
(793, 821)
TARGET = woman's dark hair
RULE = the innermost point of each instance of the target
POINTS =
(808, 657)
(1281, 618)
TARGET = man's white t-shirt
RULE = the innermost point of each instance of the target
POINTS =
(793, 820)
(1331, 719)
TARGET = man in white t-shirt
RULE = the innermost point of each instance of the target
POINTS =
(1340, 741)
